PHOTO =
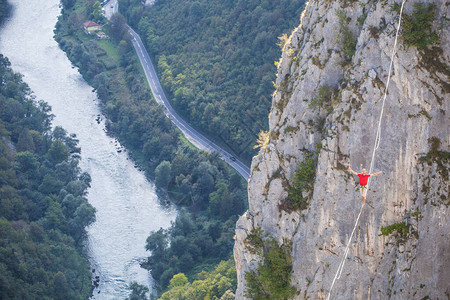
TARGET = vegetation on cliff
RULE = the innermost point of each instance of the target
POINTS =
(417, 26)
(301, 185)
(272, 277)
(43, 209)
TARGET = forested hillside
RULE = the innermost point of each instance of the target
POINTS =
(212, 194)
(3, 10)
(43, 209)
(216, 60)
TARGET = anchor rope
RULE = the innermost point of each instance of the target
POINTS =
(376, 146)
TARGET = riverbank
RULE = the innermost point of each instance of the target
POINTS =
(35, 216)
(43, 208)
(126, 203)
(212, 192)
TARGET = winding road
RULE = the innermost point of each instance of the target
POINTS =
(190, 133)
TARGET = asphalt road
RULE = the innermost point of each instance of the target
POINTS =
(191, 134)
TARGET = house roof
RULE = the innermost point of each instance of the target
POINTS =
(90, 24)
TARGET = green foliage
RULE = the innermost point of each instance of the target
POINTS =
(97, 13)
(178, 280)
(118, 27)
(217, 284)
(215, 60)
(4, 10)
(43, 212)
(211, 193)
(138, 292)
(162, 174)
(440, 158)
(221, 201)
(255, 241)
(324, 99)
(301, 183)
(417, 30)
(271, 279)
(194, 240)
(401, 228)
(435, 144)
(395, 7)
(361, 19)
(346, 38)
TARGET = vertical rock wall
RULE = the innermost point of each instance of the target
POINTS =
(412, 189)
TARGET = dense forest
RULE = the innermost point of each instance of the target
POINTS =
(211, 194)
(3, 10)
(43, 209)
(216, 59)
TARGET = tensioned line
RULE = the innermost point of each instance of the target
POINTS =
(377, 144)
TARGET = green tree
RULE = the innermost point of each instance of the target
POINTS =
(157, 243)
(54, 217)
(58, 152)
(124, 48)
(162, 174)
(3, 9)
(119, 28)
(83, 216)
(50, 185)
(216, 284)
(221, 202)
(300, 184)
(25, 141)
(271, 279)
(60, 286)
(67, 4)
(97, 13)
(77, 52)
(178, 280)
(11, 205)
(417, 29)
(74, 23)
(26, 163)
(138, 291)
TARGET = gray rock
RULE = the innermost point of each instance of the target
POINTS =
(398, 266)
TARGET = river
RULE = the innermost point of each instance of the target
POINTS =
(127, 206)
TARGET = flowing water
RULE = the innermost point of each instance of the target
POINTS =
(127, 206)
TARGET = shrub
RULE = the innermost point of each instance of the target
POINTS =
(263, 140)
(303, 181)
(346, 38)
(218, 283)
(402, 228)
(324, 99)
(271, 279)
(417, 27)
(255, 241)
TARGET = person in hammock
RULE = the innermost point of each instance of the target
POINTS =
(363, 178)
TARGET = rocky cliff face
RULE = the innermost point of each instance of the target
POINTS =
(317, 60)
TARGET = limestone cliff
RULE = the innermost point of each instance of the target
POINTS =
(342, 48)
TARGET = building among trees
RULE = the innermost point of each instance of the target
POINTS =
(91, 27)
